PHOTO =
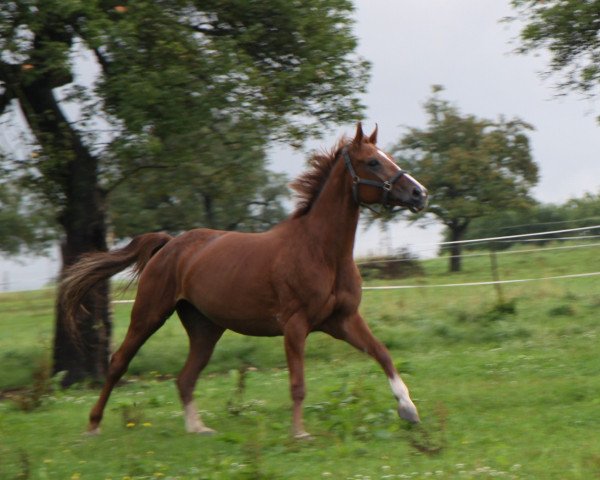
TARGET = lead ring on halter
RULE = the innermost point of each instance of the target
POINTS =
(386, 185)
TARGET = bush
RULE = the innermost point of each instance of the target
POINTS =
(402, 265)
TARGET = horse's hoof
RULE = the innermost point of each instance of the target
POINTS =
(303, 436)
(205, 431)
(92, 431)
(409, 412)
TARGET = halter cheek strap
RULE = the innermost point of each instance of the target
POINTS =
(386, 185)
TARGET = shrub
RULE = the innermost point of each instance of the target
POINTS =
(402, 265)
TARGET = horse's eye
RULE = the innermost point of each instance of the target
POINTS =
(373, 163)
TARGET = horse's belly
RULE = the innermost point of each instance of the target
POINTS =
(247, 309)
(256, 328)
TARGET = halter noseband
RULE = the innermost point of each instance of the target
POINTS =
(386, 185)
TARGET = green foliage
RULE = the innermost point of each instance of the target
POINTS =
(22, 227)
(583, 209)
(265, 61)
(569, 31)
(173, 131)
(562, 310)
(42, 385)
(232, 195)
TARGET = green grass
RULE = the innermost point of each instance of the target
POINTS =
(509, 391)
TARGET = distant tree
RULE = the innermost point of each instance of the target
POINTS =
(543, 217)
(569, 30)
(538, 218)
(584, 211)
(472, 167)
(187, 96)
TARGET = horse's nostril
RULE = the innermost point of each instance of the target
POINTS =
(416, 193)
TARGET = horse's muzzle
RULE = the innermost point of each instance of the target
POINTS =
(419, 199)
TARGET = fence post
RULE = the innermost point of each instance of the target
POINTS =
(496, 276)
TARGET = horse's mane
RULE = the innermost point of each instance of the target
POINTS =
(309, 184)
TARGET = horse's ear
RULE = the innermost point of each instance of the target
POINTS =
(373, 136)
(358, 137)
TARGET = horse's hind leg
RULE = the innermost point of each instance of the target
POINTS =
(144, 322)
(203, 336)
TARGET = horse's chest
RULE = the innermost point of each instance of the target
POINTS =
(341, 298)
(347, 299)
(319, 293)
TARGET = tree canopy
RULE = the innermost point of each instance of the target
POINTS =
(472, 167)
(570, 31)
(199, 87)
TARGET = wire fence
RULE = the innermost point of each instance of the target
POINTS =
(478, 284)
(470, 255)
(518, 236)
(536, 236)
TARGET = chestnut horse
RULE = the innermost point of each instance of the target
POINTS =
(296, 278)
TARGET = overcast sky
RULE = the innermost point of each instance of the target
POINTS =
(462, 45)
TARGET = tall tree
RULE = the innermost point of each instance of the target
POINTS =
(187, 91)
(570, 31)
(472, 167)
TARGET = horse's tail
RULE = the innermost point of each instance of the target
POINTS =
(94, 267)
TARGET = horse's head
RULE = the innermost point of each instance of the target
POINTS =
(376, 177)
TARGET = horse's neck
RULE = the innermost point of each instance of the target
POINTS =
(333, 218)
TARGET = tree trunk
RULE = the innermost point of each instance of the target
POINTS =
(72, 171)
(457, 233)
(86, 357)
(209, 210)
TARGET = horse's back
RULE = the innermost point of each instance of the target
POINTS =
(230, 278)
(225, 275)
(196, 238)
(159, 282)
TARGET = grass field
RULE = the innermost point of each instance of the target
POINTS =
(508, 390)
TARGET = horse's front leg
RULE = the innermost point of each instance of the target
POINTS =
(295, 332)
(356, 332)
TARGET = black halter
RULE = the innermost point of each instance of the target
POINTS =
(386, 185)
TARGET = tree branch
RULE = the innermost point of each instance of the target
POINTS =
(7, 72)
(212, 31)
(5, 99)
(102, 61)
(235, 223)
